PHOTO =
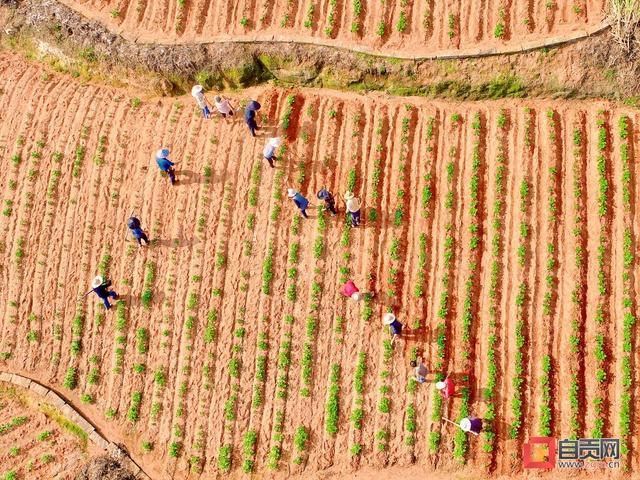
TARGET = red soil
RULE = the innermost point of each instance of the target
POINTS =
(427, 27)
(57, 228)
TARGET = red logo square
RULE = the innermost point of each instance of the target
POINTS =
(530, 458)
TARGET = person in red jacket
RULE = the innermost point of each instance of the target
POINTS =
(446, 388)
(350, 290)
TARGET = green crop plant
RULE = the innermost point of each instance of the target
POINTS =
(70, 378)
(14, 423)
(300, 439)
(267, 270)
(331, 421)
(133, 414)
(175, 448)
(402, 22)
(451, 23)
(142, 340)
(248, 450)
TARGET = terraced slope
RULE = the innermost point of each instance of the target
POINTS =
(502, 235)
(405, 27)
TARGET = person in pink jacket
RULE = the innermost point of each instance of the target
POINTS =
(350, 290)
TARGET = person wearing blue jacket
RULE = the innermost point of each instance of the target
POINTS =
(301, 202)
(136, 230)
(101, 288)
(165, 164)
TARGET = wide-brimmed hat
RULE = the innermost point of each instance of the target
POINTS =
(357, 296)
(97, 281)
(465, 424)
(353, 204)
(275, 141)
(349, 196)
(291, 192)
(388, 318)
(162, 153)
(440, 385)
(196, 89)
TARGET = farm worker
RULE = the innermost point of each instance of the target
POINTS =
(250, 116)
(136, 230)
(197, 93)
(446, 388)
(395, 327)
(301, 202)
(353, 207)
(99, 286)
(329, 201)
(350, 290)
(165, 164)
(471, 424)
(269, 152)
(420, 371)
(223, 106)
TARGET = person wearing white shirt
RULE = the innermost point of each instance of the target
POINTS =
(223, 106)
(197, 93)
(269, 152)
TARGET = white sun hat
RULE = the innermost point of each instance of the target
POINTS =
(275, 141)
(465, 424)
(162, 153)
(349, 196)
(353, 205)
(388, 318)
(357, 296)
(196, 89)
(291, 192)
(97, 282)
(440, 385)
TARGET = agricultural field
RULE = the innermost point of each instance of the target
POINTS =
(502, 234)
(35, 442)
(404, 27)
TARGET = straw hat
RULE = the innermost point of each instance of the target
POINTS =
(388, 318)
(291, 192)
(196, 89)
(97, 282)
(162, 153)
(349, 195)
(275, 141)
(440, 385)
(353, 204)
(465, 424)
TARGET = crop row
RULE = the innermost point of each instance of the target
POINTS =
(628, 306)
(497, 214)
(448, 257)
(603, 251)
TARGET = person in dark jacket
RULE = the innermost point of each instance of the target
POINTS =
(101, 288)
(136, 230)
(250, 116)
(301, 202)
(329, 201)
